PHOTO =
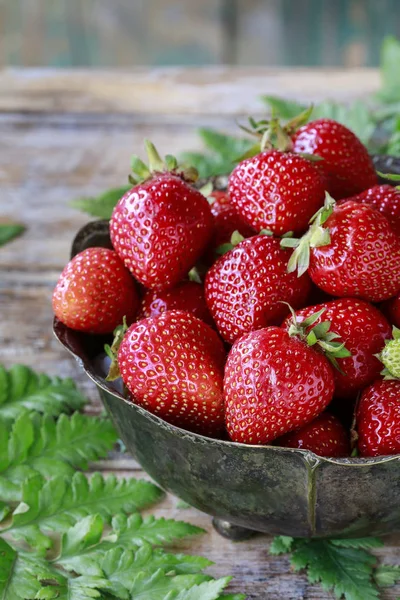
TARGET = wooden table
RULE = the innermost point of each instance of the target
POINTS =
(66, 134)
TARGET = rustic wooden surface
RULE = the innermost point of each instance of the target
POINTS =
(64, 135)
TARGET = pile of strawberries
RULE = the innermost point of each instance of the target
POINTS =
(263, 313)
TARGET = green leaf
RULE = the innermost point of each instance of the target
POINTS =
(79, 588)
(283, 107)
(209, 590)
(121, 566)
(281, 544)
(53, 447)
(80, 539)
(59, 503)
(223, 152)
(82, 544)
(345, 571)
(9, 231)
(158, 586)
(21, 388)
(226, 146)
(19, 573)
(101, 206)
(390, 73)
(387, 575)
(135, 530)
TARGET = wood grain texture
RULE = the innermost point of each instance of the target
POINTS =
(175, 90)
(46, 159)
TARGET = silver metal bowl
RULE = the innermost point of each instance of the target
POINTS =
(261, 488)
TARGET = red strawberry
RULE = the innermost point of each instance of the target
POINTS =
(363, 329)
(378, 412)
(173, 366)
(273, 383)
(276, 191)
(187, 295)
(346, 163)
(94, 292)
(384, 198)
(162, 226)
(378, 419)
(226, 219)
(325, 436)
(246, 287)
(391, 308)
(351, 251)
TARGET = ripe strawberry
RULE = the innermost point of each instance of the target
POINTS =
(276, 191)
(378, 419)
(187, 296)
(378, 412)
(346, 163)
(274, 383)
(173, 366)
(325, 436)
(246, 287)
(162, 226)
(391, 308)
(226, 219)
(384, 198)
(351, 251)
(94, 292)
(363, 329)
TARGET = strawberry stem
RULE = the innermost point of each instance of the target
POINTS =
(112, 351)
(316, 236)
(318, 335)
(142, 172)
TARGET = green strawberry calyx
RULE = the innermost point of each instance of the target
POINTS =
(272, 135)
(112, 351)
(390, 356)
(319, 335)
(316, 236)
(142, 172)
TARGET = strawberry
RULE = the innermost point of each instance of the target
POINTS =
(346, 164)
(391, 308)
(276, 191)
(378, 419)
(187, 296)
(378, 412)
(95, 292)
(363, 329)
(246, 287)
(162, 225)
(325, 436)
(173, 366)
(350, 250)
(274, 383)
(226, 219)
(384, 198)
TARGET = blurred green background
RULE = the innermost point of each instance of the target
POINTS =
(108, 33)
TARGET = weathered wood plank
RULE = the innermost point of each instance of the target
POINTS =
(175, 90)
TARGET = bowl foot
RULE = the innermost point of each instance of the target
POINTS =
(232, 532)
